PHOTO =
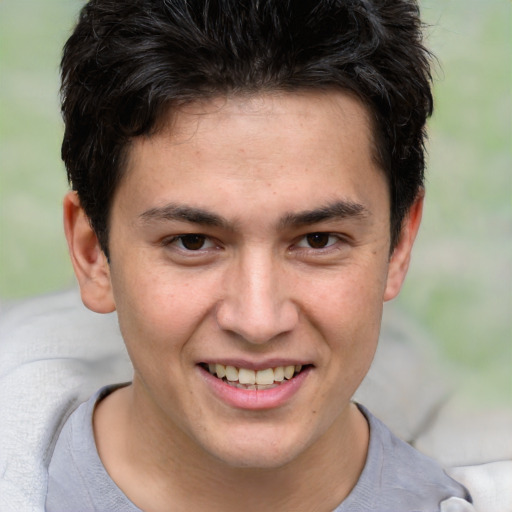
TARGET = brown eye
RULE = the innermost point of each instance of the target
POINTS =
(318, 240)
(192, 242)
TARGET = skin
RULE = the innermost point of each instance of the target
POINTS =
(245, 173)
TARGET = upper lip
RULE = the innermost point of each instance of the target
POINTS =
(257, 365)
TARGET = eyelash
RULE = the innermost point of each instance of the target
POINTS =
(321, 236)
(175, 240)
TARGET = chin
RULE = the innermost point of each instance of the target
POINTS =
(255, 450)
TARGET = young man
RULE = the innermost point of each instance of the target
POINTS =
(247, 186)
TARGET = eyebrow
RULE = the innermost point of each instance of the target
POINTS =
(337, 210)
(193, 215)
(176, 212)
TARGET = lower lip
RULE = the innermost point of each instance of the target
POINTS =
(255, 399)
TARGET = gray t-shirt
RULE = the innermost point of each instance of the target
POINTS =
(395, 478)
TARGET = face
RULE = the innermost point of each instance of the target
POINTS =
(249, 245)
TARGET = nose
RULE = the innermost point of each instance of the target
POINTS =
(256, 304)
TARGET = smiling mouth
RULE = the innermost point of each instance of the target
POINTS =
(245, 378)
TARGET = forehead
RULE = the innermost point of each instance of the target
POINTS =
(319, 143)
(325, 113)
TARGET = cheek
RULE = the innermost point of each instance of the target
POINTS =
(349, 296)
(347, 309)
(158, 311)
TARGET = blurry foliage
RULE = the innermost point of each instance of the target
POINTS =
(460, 283)
(460, 280)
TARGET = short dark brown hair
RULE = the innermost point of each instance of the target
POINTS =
(129, 61)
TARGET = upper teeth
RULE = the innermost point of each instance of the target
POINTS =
(247, 376)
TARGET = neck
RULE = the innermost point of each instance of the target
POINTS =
(155, 465)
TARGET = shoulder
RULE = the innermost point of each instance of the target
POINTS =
(77, 479)
(397, 477)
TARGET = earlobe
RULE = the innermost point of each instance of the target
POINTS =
(399, 262)
(89, 261)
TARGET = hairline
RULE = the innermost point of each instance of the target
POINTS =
(169, 112)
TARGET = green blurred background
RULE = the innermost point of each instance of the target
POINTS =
(460, 283)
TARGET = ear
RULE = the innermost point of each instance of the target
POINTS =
(89, 261)
(399, 262)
